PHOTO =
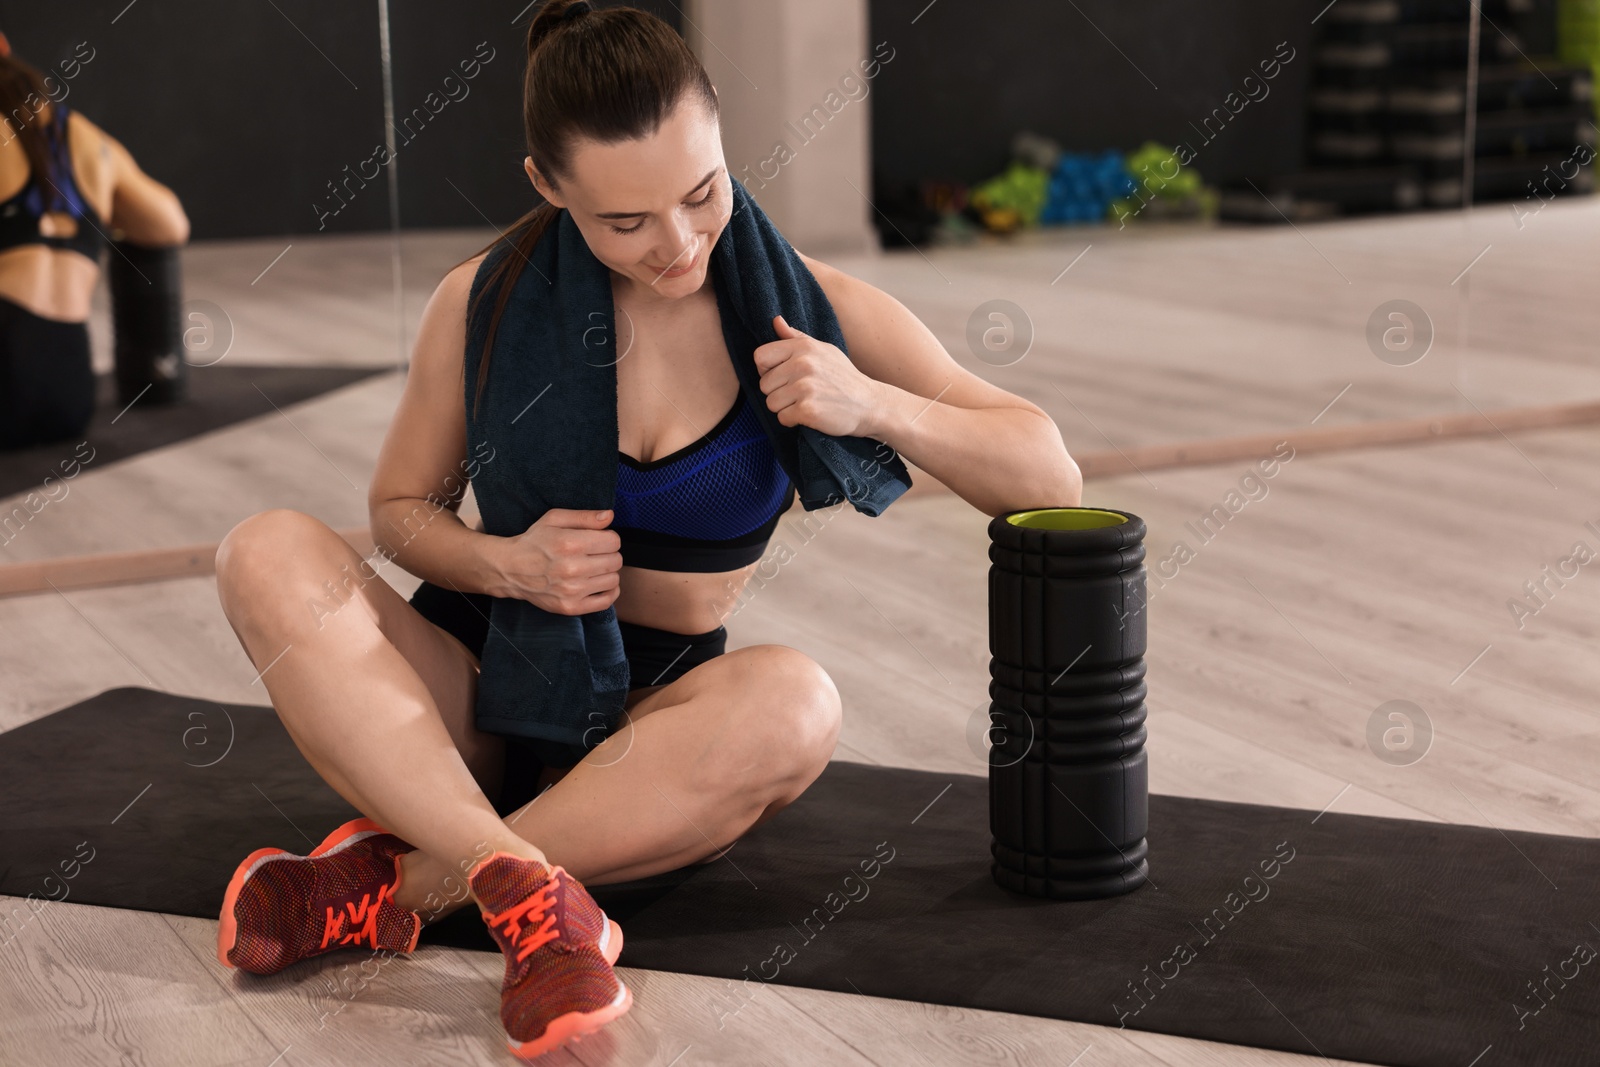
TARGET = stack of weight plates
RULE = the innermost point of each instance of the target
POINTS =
(1386, 116)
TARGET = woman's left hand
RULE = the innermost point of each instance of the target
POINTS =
(812, 383)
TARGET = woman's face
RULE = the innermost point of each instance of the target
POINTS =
(651, 209)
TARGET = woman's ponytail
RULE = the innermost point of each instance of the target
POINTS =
(23, 98)
(554, 15)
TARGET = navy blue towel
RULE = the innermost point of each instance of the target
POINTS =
(548, 417)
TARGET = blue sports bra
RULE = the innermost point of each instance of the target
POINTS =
(710, 506)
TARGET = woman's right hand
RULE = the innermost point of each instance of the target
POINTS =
(567, 562)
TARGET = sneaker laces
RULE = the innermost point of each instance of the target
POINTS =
(529, 921)
(362, 917)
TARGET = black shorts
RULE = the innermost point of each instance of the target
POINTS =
(47, 383)
(655, 657)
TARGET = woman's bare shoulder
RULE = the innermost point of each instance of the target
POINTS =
(457, 282)
(93, 147)
(449, 300)
(96, 157)
(441, 338)
(840, 288)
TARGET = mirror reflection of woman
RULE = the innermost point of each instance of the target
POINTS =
(66, 189)
(623, 132)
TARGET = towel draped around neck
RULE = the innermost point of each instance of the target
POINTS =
(548, 420)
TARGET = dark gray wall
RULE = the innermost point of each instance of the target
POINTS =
(966, 77)
(473, 151)
(228, 103)
(249, 108)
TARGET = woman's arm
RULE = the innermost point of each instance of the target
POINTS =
(145, 211)
(423, 466)
(994, 449)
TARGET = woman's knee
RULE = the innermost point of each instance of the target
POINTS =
(271, 558)
(793, 707)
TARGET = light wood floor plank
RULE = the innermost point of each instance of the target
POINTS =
(439, 1006)
(317, 456)
(90, 985)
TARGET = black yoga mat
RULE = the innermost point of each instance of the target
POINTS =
(1379, 940)
(218, 396)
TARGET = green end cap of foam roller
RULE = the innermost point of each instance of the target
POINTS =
(1066, 519)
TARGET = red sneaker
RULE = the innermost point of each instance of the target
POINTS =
(281, 908)
(559, 948)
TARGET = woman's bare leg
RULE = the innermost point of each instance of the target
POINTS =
(724, 749)
(357, 677)
(699, 763)
(380, 702)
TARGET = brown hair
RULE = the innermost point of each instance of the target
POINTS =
(607, 75)
(22, 90)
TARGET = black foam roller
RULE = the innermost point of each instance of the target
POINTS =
(1068, 781)
(147, 322)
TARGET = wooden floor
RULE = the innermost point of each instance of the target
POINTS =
(1359, 578)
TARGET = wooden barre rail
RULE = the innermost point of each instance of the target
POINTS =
(1106, 464)
(120, 568)
(148, 565)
